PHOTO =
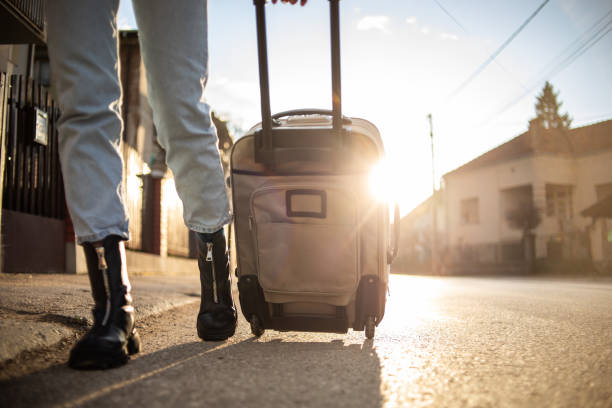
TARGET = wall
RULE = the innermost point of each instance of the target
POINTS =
(142, 155)
(415, 235)
(551, 170)
(593, 170)
(486, 183)
(14, 59)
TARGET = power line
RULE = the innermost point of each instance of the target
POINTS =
(578, 40)
(452, 17)
(498, 51)
(568, 61)
(578, 52)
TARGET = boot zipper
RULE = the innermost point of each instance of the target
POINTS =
(103, 267)
(209, 258)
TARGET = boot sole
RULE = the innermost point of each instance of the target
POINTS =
(216, 335)
(104, 359)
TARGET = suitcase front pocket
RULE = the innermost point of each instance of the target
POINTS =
(306, 239)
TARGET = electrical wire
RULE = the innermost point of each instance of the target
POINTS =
(566, 62)
(498, 51)
(569, 60)
(452, 17)
(578, 41)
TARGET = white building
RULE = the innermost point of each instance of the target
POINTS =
(560, 173)
(416, 236)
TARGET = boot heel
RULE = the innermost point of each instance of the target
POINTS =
(133, 343)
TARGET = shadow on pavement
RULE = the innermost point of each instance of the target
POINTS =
(248, 373)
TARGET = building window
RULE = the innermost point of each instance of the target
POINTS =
(469, 211)
(559, 201)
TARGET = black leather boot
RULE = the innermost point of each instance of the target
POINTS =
(217, 316)
(113, 336)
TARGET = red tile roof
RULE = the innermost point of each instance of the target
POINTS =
(575, 142)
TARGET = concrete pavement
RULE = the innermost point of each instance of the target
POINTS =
(40, 310)
(444, 342)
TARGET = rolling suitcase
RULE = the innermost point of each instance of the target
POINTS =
(313, 244)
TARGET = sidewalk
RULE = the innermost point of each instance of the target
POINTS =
(41, 310)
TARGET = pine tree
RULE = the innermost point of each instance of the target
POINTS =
(547, 110)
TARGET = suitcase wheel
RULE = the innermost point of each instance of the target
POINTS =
(370, 327)
(256, 326)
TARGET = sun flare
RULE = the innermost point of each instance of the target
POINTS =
(381, 186)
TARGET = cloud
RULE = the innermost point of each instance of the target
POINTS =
(425, 30)
(239, 97)
(447, 36)
(124, 23)
(374, 23)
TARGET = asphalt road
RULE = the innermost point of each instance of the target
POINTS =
(474, 342)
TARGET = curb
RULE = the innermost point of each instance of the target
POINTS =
(40, 311)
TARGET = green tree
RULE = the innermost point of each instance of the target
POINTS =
(525, 218)
(547, 110)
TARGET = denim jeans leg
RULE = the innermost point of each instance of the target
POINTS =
(173, 38)
(82, 43)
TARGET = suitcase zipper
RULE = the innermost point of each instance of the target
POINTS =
(209, 258)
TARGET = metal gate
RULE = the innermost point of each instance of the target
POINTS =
(32, 179)
(33, 206)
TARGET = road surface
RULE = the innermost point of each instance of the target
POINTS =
(465, 342)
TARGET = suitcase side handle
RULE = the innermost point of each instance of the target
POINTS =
(395, 238)
(264, 148)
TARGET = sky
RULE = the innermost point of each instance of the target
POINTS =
(402, 60)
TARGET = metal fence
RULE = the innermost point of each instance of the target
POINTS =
(32, 179)
(33, 10)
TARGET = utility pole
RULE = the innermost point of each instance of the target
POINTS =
(434, 206)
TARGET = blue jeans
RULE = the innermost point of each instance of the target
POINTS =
(82, 41)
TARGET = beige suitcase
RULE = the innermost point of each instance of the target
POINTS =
(312, 241)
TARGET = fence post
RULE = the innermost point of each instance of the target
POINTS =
(3, 114)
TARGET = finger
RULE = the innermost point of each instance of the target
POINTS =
(303, 2)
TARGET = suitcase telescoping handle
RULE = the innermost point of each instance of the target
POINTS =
(265, 141)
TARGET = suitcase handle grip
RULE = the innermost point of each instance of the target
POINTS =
(265, 155)
(308, 111)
